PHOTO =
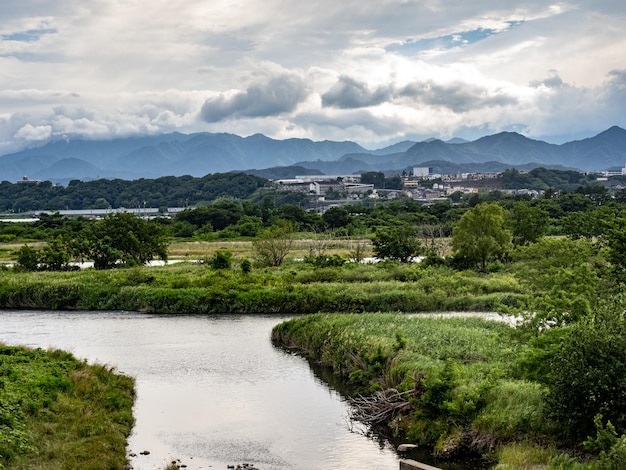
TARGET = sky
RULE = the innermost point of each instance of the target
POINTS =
(374, 72)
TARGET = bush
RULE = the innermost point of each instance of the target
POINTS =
(585, 369)
(27, 259)
(221, 260)
(246, 266)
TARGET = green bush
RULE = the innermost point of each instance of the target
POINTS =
(584, 369)
(222, 259)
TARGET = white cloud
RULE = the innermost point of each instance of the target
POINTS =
(366, 71)
(32, 134)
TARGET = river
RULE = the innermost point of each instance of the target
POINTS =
(212, 391)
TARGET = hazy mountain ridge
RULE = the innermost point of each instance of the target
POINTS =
(199, 154)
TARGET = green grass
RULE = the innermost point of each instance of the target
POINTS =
(293, 288)
(461, 375)
(60, 413)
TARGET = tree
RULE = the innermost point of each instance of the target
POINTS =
(616, 242)
(377, 178)
(249, 225)
(222, 259)
(27, 259)
(528, 223)
(336, 217)
(396, 243)
(393, 182)
(124, 239)
(480, 237)
(274, 243)
(55, 256)
(588, 224)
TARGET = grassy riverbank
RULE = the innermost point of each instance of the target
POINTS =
(454, 384)
(57, 412)
(297, 288)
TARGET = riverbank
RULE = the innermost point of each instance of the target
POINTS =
(452, 384)
(57, 412)
(295, 288)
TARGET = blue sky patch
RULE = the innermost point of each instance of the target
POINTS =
(31, 35)
(450, 41)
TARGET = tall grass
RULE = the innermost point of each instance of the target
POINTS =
(460, 373)
(60, 413)
(193, 288)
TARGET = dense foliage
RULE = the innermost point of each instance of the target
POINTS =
(168, 191)
(116, 240)
(542, 178)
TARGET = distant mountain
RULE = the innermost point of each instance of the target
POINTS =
(166, 155)
(199, 154)
(604, 151)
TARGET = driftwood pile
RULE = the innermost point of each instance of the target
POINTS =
(380, 407)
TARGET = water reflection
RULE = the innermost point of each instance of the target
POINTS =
(212, 391)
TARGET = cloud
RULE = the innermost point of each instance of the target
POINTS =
(349, 93)
(30, 133)
(456, 95)
(280, 94)
(554, 81)
(372, 72)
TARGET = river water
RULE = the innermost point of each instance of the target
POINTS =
(212, 391)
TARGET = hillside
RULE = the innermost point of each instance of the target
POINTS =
(204, 153)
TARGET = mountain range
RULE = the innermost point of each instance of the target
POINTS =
(199, 154)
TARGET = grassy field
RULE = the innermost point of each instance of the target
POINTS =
(244, 249)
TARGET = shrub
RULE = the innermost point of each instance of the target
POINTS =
(27, 259)
(246, 266)
(221, 260)
(585, 370)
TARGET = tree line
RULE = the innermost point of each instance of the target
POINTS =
(479, 230)
(187, 191)
(168, 191)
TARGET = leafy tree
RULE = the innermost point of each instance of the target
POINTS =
(393, 182)
(101, 203)
(27, 259)
(197, 217)
(336, 217)
(224, 212)
(182, 229)
(249, 226)
(616, 242)
(480, 237)
(377, 178)
(528, 223)
(597, 193)
(246, 266)
(588, 224)
(122, 238)
(55, 256)
(294, 214)
(396, 243)
(274, 243)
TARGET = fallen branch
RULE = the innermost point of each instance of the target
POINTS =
(380, 407)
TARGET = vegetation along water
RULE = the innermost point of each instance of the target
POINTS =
(545, 393)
